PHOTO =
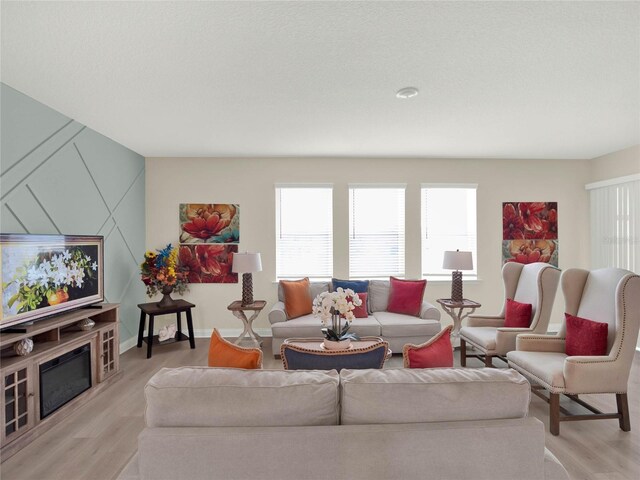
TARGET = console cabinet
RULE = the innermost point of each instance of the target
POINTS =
(52, 338)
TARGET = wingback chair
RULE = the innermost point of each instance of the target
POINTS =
(608, 295)
(535, 283)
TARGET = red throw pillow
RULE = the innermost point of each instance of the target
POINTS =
(361, 311)
(406, 296)
(585, 337)
(517, 315)
(435, 353)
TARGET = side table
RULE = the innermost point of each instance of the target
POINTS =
(450, 307)
(152, 310)
(239, 311)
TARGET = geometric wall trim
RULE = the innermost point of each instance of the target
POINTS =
(59, 176)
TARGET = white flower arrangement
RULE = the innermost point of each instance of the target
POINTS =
(331, 307)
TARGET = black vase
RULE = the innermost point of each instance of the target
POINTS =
(166, 300)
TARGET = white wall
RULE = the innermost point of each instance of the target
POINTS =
(250, 182)
(616, 164)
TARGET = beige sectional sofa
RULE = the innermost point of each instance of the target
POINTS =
(395, 328)
(207, 423)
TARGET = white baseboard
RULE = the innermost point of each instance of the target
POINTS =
(200, 333)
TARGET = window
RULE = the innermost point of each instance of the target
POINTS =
(376, 231)
(448, 223)
(615, 223)
(304, 231)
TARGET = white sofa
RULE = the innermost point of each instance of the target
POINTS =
(207, 423)
(396, 329)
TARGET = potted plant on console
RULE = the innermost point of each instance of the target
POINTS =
(161, 273)
(332, 308)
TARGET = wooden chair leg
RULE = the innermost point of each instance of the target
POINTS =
(463, 353)
(623, 410)
(487, 361)
(554, 413)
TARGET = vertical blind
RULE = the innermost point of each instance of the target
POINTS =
(304, 232)
(376, 231)
(615, 226)
(448, 223)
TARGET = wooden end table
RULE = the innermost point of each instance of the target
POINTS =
(153, 310)
(450, 307)
(239, 311)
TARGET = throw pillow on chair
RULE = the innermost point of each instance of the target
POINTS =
(437, 352)
(223, 353)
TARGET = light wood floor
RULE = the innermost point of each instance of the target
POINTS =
(98, 440)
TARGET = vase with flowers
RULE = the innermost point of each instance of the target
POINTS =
(161, 273)
(335, 309)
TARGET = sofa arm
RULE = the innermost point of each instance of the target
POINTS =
(277, 313)
(485, 321)
(531, 342)
(429, 312)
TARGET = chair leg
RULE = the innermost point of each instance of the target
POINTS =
(554, 413)
(623, 410)
(487, 361)
(463, 353)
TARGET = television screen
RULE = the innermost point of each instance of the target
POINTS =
(46, 274)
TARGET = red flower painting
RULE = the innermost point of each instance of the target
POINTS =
(530, 232)
(208, 263)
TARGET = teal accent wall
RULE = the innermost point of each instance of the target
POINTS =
(59, 176)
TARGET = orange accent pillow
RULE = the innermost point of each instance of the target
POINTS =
(297, 298)
(223, 353)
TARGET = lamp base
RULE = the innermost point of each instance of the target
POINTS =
(247, 289)
(456, 286)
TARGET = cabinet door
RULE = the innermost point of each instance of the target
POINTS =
(109, 349)
(18, 410)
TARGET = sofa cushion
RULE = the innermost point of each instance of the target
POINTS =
(358, 286)
(378, 295)
(406, 296)
(297, 298)
(484, 337)
(398, 325)
(432, 395)
(228, 397)
(361, 311)
(309, 326)
(223, 353)
(545, 366)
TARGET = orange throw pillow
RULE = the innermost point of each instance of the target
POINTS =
(225, 354)
(297, 298)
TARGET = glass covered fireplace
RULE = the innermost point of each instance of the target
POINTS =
(64, 378)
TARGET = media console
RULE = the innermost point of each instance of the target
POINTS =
(82, 363)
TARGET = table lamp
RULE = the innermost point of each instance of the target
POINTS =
(457, 261)
(246, 264)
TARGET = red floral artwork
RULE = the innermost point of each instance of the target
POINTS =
(208, 263)
(530, 232)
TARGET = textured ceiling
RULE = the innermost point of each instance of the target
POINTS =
(496, 79)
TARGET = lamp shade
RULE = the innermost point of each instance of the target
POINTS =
(457, 260)
(247, 262)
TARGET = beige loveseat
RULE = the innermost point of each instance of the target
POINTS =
(396, 329)
(207, 423)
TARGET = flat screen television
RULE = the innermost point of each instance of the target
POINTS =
(42, 275)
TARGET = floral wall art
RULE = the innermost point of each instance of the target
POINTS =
(530, 232)
(208, 263)
(209, 223)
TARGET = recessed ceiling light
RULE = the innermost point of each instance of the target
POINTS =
(407, 92)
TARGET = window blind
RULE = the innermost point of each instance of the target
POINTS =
(376, 231)
(615, 226)
(448, 223)
(304, 232)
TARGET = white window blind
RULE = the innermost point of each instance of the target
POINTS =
(376, 231)
(304, 232)
(448, 223)
(615, 226)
